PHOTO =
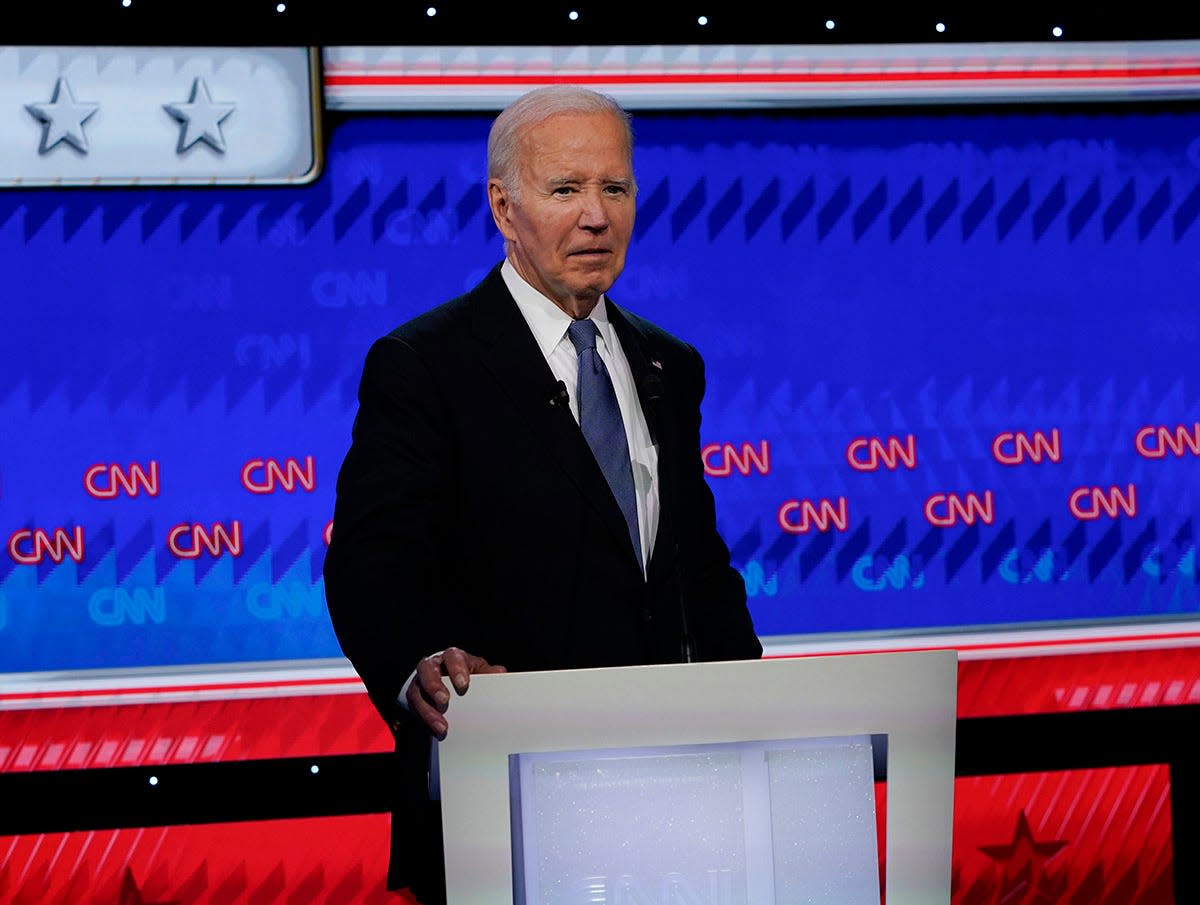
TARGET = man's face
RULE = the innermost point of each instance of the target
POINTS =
(570, 223)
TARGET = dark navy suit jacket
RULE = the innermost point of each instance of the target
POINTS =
(472, 513)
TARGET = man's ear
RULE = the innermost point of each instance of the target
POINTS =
(500, 201)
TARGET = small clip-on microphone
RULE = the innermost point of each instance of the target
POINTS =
(559, 396)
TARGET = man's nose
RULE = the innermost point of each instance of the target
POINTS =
(593, 215)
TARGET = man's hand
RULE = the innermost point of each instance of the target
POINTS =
(427, 695)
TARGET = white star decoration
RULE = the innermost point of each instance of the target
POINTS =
(63, 118)
(201, 119)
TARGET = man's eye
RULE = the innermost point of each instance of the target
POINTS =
(563, 190)
(616, 189)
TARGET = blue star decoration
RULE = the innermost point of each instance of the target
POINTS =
(131, 895)
(63, 118)
(200, 119)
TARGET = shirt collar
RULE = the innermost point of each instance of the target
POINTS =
(546, 320)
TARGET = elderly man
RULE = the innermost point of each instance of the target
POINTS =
(524, 489)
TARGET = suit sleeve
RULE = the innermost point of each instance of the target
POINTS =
(715, 591)
(393, 497)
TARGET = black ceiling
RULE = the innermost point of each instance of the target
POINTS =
(326, 22)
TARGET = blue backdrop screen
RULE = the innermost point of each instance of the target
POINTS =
(951, 371)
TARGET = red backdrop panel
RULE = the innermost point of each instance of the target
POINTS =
(1076, 837)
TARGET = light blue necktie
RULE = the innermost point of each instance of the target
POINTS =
(600, 421)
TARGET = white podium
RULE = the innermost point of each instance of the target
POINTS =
(743, 783)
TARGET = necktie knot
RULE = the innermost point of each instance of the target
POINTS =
(582, 335)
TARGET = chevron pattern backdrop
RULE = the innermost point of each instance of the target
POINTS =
(930, 285)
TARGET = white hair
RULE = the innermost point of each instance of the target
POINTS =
(537, 106)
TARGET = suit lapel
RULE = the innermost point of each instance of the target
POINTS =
(647, 370)
(511, 354)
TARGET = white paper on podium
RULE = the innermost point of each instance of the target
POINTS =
(740, 783)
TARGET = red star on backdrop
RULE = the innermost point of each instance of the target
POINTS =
(1023, 849)
(1023, 860)
(131, 895)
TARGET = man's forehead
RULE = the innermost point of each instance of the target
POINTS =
(595, 119)
(571, 128)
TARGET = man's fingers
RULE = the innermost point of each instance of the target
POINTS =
(429, 680)
(457, 664)
(420, 705)
(427, 696)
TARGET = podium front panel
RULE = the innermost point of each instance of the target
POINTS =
(736, 783)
